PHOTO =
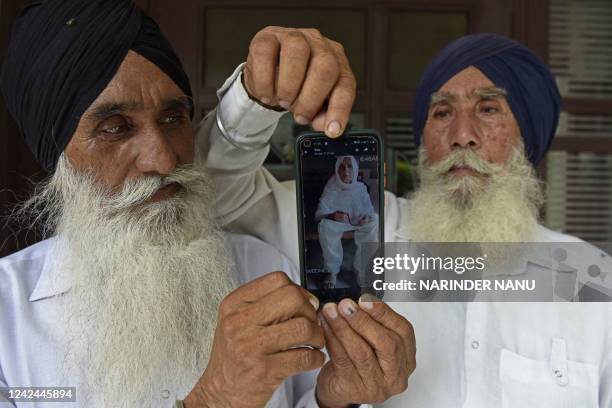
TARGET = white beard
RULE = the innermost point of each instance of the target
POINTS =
(501, 207)
(146, 281)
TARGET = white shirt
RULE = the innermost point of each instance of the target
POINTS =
(473, 355)
(28, 356)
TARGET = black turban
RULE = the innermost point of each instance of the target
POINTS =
(62, 55)
(533, 95)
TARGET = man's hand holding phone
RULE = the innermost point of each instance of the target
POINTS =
(262, 328)
(372, 353)
(303, 72)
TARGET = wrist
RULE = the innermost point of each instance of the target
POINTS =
(201, 396)
(194, 400)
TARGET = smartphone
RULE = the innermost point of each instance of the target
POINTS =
(340, 201)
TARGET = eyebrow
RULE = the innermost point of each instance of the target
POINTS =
(492, 92)
(181, 102)
(109, 109)
(441, 96)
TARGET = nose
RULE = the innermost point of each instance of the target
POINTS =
(156, 154)
(464, 132)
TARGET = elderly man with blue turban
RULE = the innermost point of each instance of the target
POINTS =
(485, 114)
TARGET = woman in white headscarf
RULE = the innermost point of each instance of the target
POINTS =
(345, 205)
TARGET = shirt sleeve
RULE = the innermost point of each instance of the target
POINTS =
(307, 400)
(248, 198)
(234, 156)
(304, 390)
(244, 120)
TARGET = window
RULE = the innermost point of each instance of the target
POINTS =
(579, 167)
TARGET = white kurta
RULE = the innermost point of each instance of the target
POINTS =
(477, 355)
(353, 200)
(30, 356)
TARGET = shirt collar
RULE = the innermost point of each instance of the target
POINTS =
(52, 280)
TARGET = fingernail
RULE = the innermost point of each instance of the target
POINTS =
(314, 302)
(333, 128)
(348, 307)
(302, 120)
(265, 101)
(330, 310)
(285, 105)
(366, 301)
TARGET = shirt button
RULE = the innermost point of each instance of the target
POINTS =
(165, 394)
(475, 344)
(558, 374)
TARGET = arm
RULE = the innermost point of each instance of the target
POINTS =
(234, 160)
(315, 83)
(248, 198)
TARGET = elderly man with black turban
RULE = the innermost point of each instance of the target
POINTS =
(133, 301)
(485, 114)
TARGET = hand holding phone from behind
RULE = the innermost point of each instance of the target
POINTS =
(372, 353)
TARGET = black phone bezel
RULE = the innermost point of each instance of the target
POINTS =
(335, 295)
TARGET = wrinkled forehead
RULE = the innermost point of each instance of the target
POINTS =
(489, 92)
(138, 84)
(468, 84)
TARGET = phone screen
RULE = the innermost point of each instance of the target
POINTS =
(339, 194)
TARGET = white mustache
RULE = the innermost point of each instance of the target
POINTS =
(465, 157)
(142, 189)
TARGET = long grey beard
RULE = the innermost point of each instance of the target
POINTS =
(146, 282)
(501, 207)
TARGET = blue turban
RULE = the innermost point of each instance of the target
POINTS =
(533, 95)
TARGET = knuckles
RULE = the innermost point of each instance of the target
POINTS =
(363, 356)
(412, 364)
(303, 329)
(263, 45)
(307, 359)
(406, 330)
(277, 278)
(295, 43)
(294, 293)
(312, 32)
(389, 343)
(326, 66)
(225, 307)
(380, 312)
(339, 48)
(230, 326)
(398, 387)
(342, 362)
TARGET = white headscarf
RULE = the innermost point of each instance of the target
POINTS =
(351, 198)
